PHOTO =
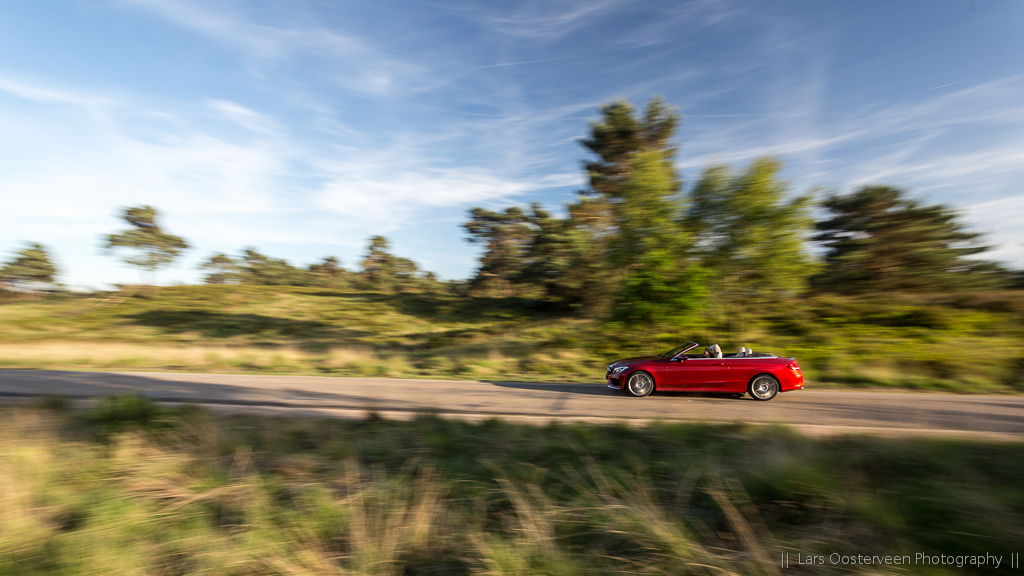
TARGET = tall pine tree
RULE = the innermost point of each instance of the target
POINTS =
(879, 240)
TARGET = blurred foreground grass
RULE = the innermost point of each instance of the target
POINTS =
(955, 342)
(129, 488)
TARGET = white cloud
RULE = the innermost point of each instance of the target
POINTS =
(245, 117)
(547, 20)
(377, 198)
(50, 95)
(349, 61)
(915, 142)
(1007, 239)
(219, 188)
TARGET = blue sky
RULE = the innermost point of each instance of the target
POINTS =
(302, 127)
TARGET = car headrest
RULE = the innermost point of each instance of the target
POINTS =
(716, 350)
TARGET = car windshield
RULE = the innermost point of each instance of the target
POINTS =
(678, 349)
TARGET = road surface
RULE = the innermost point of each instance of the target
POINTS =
(822, 412)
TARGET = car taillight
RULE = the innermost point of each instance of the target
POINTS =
(793, 366)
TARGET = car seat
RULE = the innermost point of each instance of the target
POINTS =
(716, 351)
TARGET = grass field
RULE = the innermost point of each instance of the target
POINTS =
(963, 343)
(128, 488)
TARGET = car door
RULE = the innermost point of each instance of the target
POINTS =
(741, 370)
(672, 374)
(701, 373)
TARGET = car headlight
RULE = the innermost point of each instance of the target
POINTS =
(619, 369)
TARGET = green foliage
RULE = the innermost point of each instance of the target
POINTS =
(330, 272)
(261, 269)
(252, 267)
(635, 176)
(638, 250)
(659, 284)
(567, 260)
(30, 268)
(223, 269)
(384, 271)
(153, 247)
(751, 232)
(617, 137)
(507, 237)
(879, 240)
(622, 246)
(117, 413)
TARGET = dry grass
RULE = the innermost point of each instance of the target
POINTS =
(116, 355)
(127, 488)
(355, 361)
(189, 503)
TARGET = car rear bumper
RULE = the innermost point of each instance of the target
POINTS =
(792, 380)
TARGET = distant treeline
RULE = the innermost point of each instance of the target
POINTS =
(380, 270)
(637, 246)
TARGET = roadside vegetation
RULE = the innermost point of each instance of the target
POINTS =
(129, 488)
(869, 288)
(965, 342)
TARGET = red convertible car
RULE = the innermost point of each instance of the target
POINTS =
(758, 374)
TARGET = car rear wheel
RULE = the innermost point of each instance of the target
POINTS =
(640, 384)
(763, 387)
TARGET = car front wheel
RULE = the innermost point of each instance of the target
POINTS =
(640, 384)
(763, 387)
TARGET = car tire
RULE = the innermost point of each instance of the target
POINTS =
(639, 384)
(763, 387)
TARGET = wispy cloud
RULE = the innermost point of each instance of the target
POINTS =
(893, 134)
(688, 15)
(503, 64)
(959, 147)
(390, 200)
(221, 188)
(245, 117)
(546, 20)
(50, 95)
(349, 60)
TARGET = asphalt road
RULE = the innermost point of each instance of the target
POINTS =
(824, 412)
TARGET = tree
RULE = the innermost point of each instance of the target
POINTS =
(153, 247)
(30, 269)
(329, 273)
(617, 138)
(566, 259)
(260, 269)
(751, 232)
(253, 267)
(506, 237)
(634, 177)
(660, 283)
(330, 267)
(623, 243)
(876, 239)
(223, 270)
(385, 271)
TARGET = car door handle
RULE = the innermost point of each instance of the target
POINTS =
(719, 364)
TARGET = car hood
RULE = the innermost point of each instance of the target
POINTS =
(628, 361)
